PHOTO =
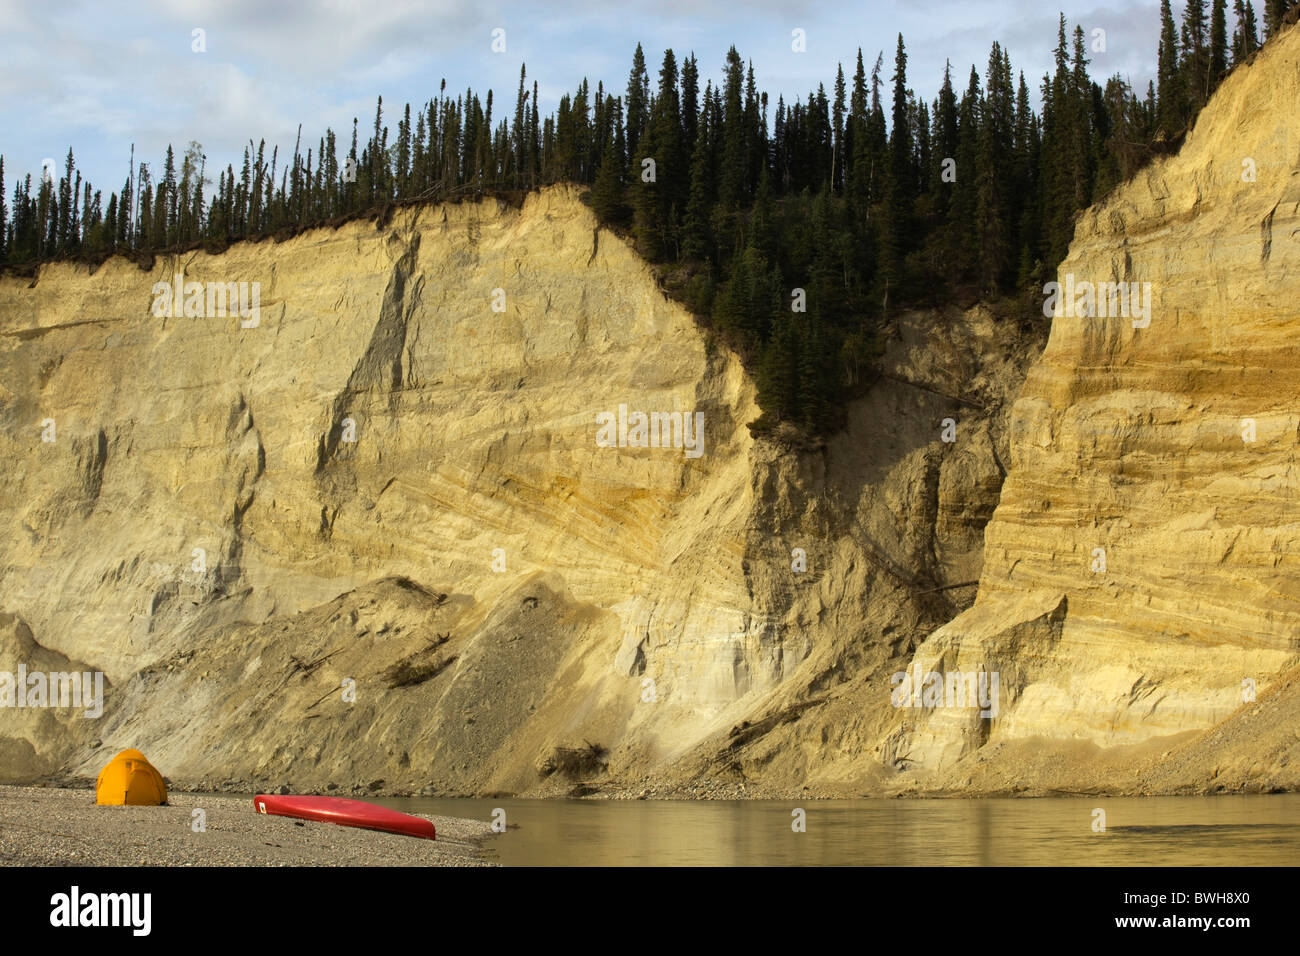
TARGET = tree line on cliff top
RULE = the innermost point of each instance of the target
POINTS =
(791, 229)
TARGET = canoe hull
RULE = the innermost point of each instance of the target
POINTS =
(347, 813)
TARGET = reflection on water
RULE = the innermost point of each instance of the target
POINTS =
(1261, 830)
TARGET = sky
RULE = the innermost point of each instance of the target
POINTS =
(99, 75)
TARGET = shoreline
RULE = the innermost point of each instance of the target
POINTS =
(58, 826)
(705, 791)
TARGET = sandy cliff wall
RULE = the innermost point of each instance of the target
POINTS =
(394, 479)
(391, 415)
(1165, 444)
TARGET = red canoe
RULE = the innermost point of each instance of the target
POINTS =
(348, 813)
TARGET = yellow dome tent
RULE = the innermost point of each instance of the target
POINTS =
(132, 780)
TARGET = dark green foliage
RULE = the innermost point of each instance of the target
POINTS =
(1169, 82)
(575, 762)
(1245, 39)
(608, 191)
(1274, 11)
(1218, 43)
(1195, 63)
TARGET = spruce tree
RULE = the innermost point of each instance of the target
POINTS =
(1024, 211)
(752, 135)
(857, 158)
(877, 140)
(817, 377)
(1169, 99)
(148, 221)
(607, 192)
(1196, 58)
(643, 192)
(124, 234)
(837, 147)
(74, 230)
(918, 118)
(945, 143)
(965, 191)
(731, 187)
(1080, 113)
(164, 203)
(671, 161)
(532, 147)
(520, 156)
(65, 203)
(21, 246)
(374, 172)
(637, 104)
(777, 376)
(826, 269)
(994, 161)
(1274, 11)
(1218, 44)
(762, 223)
(898, 211)
(697, 241)
(1238, 33)
(110, 224)
(403, 158)
(690, 103)
(900, 139)
(82, 240)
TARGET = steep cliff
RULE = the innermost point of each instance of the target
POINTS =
(400, 527)
(382, 529)
(413, 405)
(1141, 572)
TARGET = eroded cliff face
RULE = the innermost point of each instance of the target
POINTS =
(378, 539)
(416, 403)
(1141, 577)
(377, 533)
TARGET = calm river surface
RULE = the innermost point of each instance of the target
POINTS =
(1259, 830)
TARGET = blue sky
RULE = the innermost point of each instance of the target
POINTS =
(98, 76)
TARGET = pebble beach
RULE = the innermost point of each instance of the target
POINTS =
(51, 826)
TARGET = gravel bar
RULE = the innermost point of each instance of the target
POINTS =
(60, 827)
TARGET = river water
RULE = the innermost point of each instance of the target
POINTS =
(1256, 830)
